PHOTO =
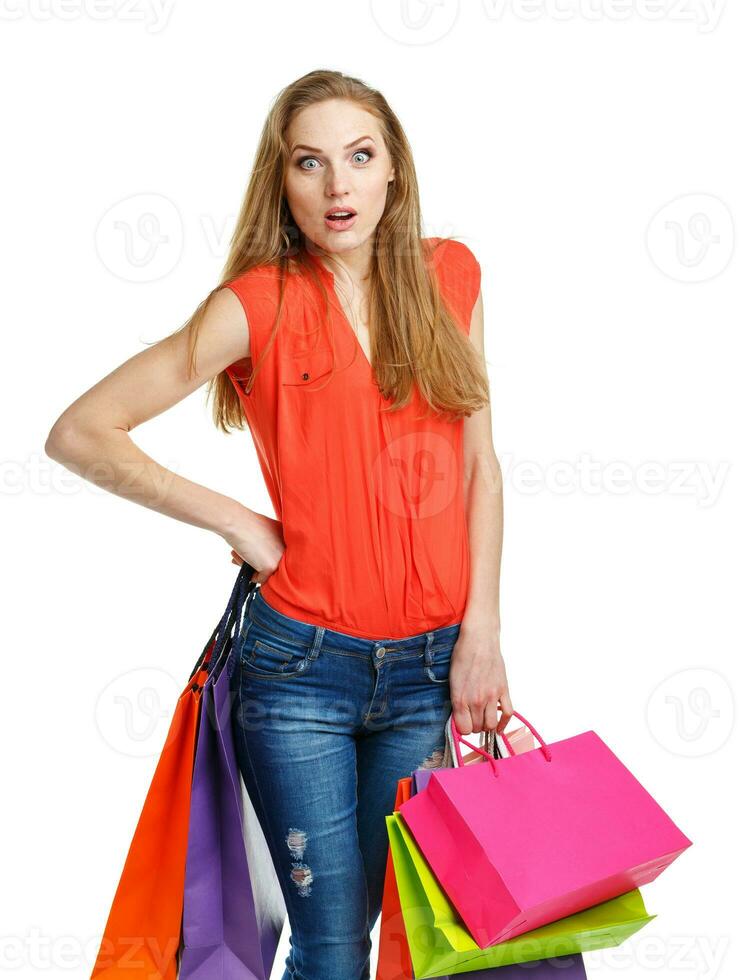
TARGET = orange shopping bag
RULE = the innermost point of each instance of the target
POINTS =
(394, 961)
(142, 936)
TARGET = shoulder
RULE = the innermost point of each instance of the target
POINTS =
(458, 273)
(448, 254)
(256, 281)
(258, 290)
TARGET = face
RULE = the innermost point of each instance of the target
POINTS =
(338, 159)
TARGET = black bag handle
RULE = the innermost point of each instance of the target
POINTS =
(235, 624)
(216, 642)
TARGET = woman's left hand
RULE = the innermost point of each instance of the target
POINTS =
(478, 682)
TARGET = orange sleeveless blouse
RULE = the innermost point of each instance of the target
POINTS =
(371, 503)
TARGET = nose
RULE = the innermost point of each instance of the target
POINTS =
(337, 186)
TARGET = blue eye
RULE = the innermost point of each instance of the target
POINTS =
(302, 160)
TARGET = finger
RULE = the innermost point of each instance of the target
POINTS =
(463, 721)
(506, 712)
(491, 714)
(478, 719)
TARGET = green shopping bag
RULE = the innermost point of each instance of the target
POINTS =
(440, 943)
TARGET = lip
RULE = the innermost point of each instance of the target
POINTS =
(337, 209)
(337, 224)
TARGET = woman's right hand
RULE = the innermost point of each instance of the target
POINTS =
(258, 541)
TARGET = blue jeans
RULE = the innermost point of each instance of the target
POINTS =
(325, 724)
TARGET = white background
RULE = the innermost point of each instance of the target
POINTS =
(590, 155)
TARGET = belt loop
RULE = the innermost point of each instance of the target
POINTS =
(428, 654)
(317, 643)
(247, 611)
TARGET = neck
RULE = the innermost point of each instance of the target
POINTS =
(353, 265)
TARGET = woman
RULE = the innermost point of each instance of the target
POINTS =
(354, 350)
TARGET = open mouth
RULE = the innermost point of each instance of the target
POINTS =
(340, 218)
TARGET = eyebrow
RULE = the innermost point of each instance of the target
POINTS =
(314, 149)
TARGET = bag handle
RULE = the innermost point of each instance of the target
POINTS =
(545, 748)
(216, 641)
(245, 591)
(458, 738)
(488, 741)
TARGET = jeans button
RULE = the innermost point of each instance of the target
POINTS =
(381, 652)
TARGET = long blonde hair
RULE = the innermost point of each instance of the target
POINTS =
(413, 336)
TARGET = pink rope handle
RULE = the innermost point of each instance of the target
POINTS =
(459, 738)
(545, 748)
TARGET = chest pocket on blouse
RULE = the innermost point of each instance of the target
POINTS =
(308, 371)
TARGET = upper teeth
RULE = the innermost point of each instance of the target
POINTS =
(338, 214)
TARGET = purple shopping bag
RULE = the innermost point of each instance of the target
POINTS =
(231, 929)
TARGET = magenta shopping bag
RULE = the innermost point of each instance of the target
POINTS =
(231, 930)
(570, 967)
(525, 840)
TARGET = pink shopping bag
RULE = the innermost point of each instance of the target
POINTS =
(539, 835)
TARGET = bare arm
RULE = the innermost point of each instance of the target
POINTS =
(478, 675)
(484, 500)
(92, 436)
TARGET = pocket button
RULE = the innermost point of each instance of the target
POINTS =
(308, 369)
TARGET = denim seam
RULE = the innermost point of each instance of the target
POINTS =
(428, 657)
(256, 782)
(273, 673)
(277, 631)
(279, 634)
(368, 715)
(377, 714)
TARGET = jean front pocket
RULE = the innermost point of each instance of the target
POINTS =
(437, 661)
(266, 654)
